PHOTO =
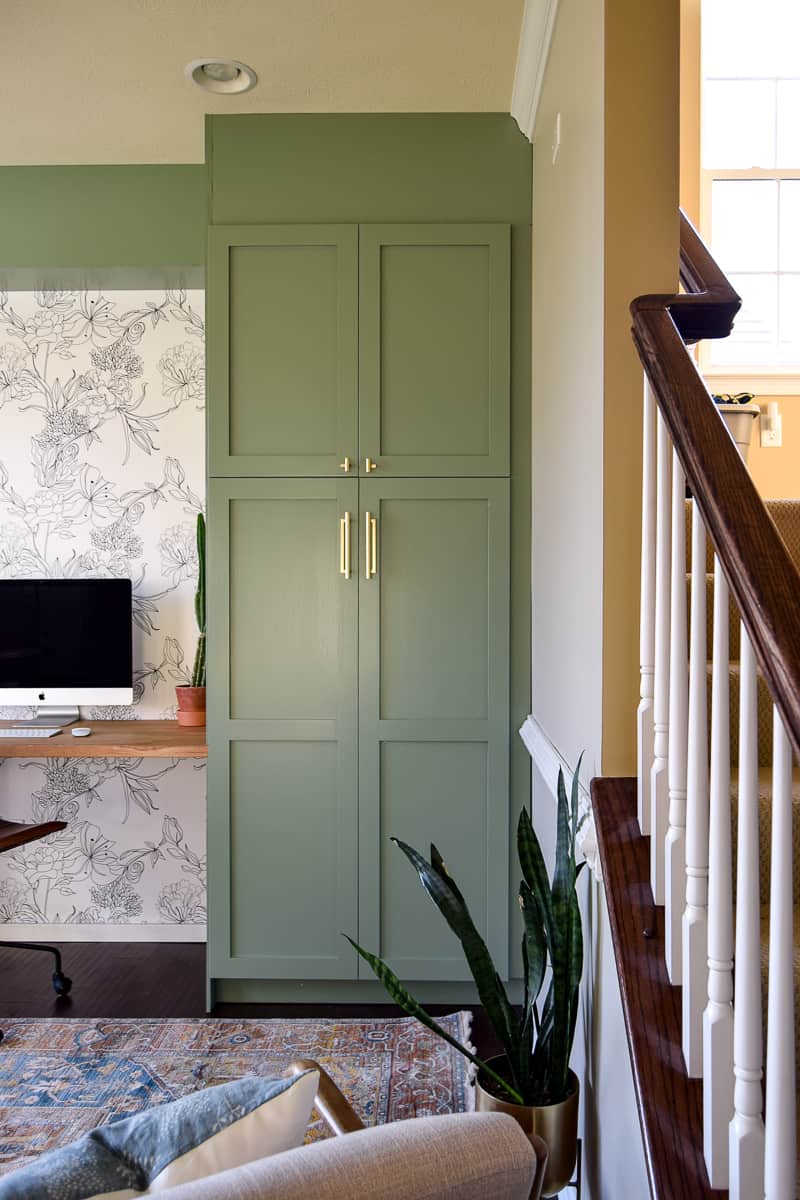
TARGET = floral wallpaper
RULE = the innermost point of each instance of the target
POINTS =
(102, 401)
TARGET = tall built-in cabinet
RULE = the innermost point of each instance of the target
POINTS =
(359, 594)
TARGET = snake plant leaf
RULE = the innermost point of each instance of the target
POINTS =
(440, 867)
(404, 1000)
(491, 992)
(534, 871)
(574, 799)
(576, 965)
(561, 945)
(534, 943)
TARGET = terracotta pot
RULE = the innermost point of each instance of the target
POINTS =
(556, 1124)
(191, 705)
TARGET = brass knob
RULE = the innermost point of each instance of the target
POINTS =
(370, 465)
(346, 464)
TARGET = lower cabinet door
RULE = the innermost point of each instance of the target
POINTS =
(433, 714)
(282, 728)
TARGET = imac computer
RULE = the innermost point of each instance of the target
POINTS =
(65, 642)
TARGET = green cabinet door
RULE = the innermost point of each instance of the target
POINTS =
(282, 349)
(282, 729)
(433, 714)
(434, 348)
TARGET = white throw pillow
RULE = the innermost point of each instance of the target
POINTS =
(199, 1135)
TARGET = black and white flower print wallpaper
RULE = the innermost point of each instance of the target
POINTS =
(102, 399)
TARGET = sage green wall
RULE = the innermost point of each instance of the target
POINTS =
(405, 168)
(77, 221)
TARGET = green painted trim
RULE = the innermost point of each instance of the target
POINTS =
(90, 217)
(365, 991)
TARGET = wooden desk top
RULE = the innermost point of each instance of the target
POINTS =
(111, 739)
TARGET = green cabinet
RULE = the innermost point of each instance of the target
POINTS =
(282, 349)
(359, 682)
(433, 714)
(332, 345)
(434, 353)
(282, 729)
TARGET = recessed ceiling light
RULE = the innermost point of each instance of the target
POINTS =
(222, 75)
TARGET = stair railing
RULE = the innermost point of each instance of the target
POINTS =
(684, 785)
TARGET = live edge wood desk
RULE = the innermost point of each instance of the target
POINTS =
(111, 739)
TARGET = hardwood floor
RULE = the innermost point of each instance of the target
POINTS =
(136, 979)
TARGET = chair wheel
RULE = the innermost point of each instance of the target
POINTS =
(62, 984)
(1, 1035)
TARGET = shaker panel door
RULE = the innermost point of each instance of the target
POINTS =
(434, 715)
(434, 348)
(282, 728)
(282, 349)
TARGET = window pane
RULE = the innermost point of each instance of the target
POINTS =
(744, 224)
(741, 38)
(789, 346)
(754, 340)
(790, 225)
(789, 123)
(739, 123)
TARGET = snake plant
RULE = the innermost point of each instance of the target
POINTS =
(199, 668)
(536, 1039)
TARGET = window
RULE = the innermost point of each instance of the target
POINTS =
(750, 211)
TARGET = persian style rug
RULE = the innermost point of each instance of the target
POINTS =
(60, 1078)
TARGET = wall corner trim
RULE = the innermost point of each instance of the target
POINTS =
(535, 36)
(547, 759)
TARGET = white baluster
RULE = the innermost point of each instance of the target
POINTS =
(780, 1152)
(675, 857)
(644, 715)
(718, 1016)
(695, 917)
(746, 1134)
(659, 798)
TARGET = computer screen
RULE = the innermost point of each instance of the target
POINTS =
(68, 640)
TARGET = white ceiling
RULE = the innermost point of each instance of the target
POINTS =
(101, 81)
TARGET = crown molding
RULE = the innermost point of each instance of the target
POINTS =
(536, 34)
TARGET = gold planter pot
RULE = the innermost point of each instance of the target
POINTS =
(556, 1124)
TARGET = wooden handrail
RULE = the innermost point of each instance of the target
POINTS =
(763, 578)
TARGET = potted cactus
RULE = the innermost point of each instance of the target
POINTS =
(192, 696)
(531, 1080)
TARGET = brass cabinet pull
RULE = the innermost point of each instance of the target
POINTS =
(344, 545)
(370, 465)
(370, 546)
(346, 465)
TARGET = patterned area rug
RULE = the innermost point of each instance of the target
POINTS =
(61, 1078)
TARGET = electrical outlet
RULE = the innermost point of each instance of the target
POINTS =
(771, 438)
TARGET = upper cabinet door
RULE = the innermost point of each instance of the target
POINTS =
(282, 349)
(434, 349)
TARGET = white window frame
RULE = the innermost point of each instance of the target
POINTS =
(779, 380)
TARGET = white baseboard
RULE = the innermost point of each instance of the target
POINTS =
(547, 759)
(102, 933)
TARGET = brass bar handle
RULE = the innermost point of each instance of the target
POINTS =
(373, 545)
(367, 547)
(346, 465)
(344, 545)
(370, 465)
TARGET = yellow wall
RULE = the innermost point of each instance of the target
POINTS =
(641, 255)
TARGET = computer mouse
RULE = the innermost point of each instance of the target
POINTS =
(81, 731)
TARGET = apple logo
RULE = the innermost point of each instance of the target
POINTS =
(41, 695)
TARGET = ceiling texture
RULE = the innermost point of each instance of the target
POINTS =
(101, 81)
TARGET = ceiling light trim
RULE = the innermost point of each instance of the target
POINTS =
(244, 81)
(536, 34)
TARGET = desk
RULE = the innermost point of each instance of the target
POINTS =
(111, 739)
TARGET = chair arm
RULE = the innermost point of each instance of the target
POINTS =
(335, 1110)
(469, 1156)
